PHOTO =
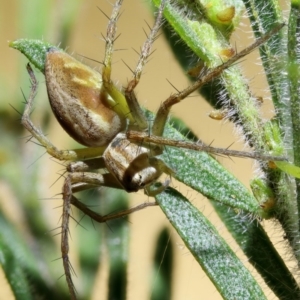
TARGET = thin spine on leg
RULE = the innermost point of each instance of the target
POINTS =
(67, 195)
(42, 139)
(164, 109)
(133, 104)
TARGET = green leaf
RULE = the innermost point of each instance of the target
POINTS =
(204, 174)
(220, 263)
(21, 266)
(259, 249)
(163, 267)
(250, 235)
(288, 168)
(34, 50)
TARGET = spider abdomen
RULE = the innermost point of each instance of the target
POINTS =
(77, 101)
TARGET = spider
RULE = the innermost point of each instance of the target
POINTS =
(112, 125)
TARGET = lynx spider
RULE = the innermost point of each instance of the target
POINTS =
(113, 132)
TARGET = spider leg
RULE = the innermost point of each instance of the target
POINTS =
(77, 154)
(75, 182)
(164, 109)
(133, 104)
(67, 195)
(86, 165)
(95, 179)
(127, 105)
(120, 214)
(79, 181)
(117, 101)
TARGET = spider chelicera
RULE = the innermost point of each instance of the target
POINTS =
(111, 123)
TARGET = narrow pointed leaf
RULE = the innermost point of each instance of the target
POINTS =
(220, 263)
